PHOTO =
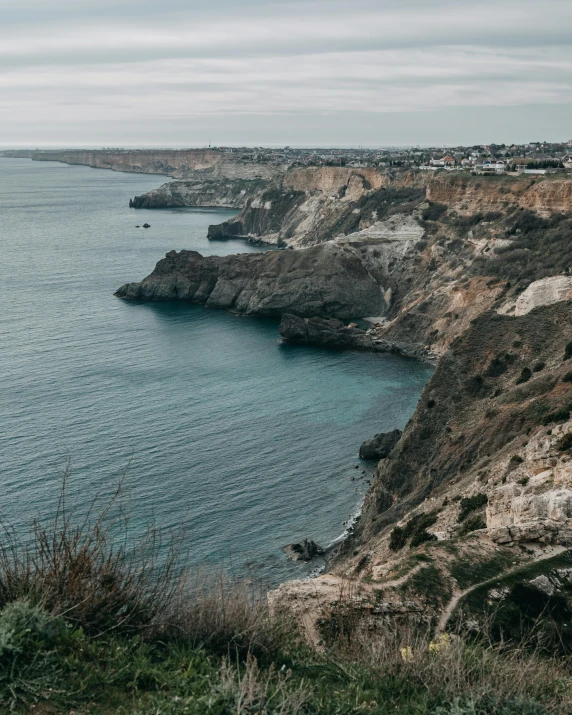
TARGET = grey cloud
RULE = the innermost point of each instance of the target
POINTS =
(88, 68)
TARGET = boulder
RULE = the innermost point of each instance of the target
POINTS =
(379, 446)
(303, 551)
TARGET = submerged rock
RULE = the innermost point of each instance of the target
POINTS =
(303, 551)
(380, 446)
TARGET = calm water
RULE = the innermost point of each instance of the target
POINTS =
(249, 444)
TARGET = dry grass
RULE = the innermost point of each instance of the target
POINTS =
(227, 615)
(90, 568)
(453, 667)
(211, 645)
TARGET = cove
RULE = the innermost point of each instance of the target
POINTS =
(247, 443)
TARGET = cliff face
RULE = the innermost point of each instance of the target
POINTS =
(354, 182)
(312, 205)
(170, 163)
(212, 192)
(325, 280)
(474, 504)
(182, 164)
(468, 195)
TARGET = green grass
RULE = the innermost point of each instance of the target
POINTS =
(468, 572)
(90, 624)
(429, 585)
(131, 676)
(526, 614)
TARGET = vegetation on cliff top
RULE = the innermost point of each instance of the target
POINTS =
(93, 621)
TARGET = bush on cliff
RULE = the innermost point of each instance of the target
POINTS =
(470, 504)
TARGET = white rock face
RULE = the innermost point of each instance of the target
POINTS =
(511, 505)
(396, 228)
(544, 292)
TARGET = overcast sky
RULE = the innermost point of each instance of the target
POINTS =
(315, 72)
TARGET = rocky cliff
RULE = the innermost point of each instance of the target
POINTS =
(467, 195)
(232, 193)
(182, 164)
(470, 271)
(311, 205)
(325, 280)
(469, 518)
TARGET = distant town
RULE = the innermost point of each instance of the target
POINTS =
(531, 158)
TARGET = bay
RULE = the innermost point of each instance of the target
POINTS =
(246, 443)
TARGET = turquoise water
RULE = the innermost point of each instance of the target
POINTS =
(245, 442)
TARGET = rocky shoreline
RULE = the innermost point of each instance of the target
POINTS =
(471, 273)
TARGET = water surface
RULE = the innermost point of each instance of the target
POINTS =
(247, 443)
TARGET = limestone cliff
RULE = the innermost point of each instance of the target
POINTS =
(232, 193)
(182, 164)
(468, 195)
(311, 205)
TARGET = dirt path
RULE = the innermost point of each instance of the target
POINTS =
(458, 595)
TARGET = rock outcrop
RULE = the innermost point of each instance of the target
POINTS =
(323, 332)
(544, 292)
(379, 446)
(213, 192)
(306, 550)
(325, 280)
(310, 206)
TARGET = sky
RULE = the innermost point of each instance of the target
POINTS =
(375, 73)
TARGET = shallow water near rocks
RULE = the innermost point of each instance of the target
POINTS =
(246, 443)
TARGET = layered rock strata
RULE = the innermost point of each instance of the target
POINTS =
(212, 192)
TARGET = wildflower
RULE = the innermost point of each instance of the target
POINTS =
(406, 654)
(442, 643)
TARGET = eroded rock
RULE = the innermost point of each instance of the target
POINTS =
(305, 550)
(380, 446)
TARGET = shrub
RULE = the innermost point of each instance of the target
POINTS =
(416, 529)
(560, 415)
(567, 351)
(476, 386)
(496, 367)
(472, 524)
(90, 568)
(514, 461)
(539, 366)
(567, 377)
(420, 537)
(525, 375)
(28, 665)
(397, 538)
(470, 504)
(25, 628)
(433, 212)
(565, 442)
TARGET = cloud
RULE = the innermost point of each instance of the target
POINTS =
(125, 61)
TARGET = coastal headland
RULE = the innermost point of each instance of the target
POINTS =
(472, 272)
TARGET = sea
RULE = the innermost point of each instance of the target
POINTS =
(219, 432)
